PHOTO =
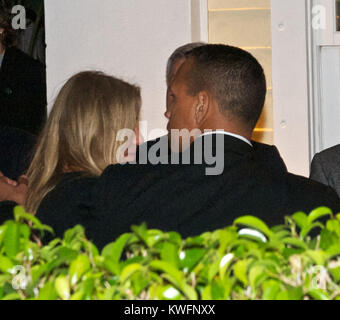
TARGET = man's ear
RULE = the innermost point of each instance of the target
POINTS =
(202, 107)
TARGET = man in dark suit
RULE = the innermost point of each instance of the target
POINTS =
(22, 84)
(221, 89)
(325, 168)
(266, 153)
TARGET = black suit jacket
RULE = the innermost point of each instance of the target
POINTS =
(22, 92)
(183, 198)
(16, 147)
(266, 154)
(325, 167)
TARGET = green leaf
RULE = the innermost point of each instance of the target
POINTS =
(174, 238)
(189, 292)
(256, 275)
(48, 292)
(328, 239)
(333, 251)
(308, 228)
(74, 237)
(129, 270)
(62, 287)
(301, 219)
(12, 296)
(78, 295)
(91, 249)
(25, 231)
(255, 223)
(213, 269)
(61, 255)
(240, 270)
(169, 253)
(6, 264)
(78, 267)
(190, 258)
(174, 275)
(226, 237)
(295, 243)
(142, 232)
(290, 294)
(114, 250)
(21, 215)
(318, 213)
(319, 257)
(206, 293)
(2, 233)
(12, 239)
(270, 289)
(86, 288)
(217, 291)
(334, 226)
(319, 294)
(335, 272)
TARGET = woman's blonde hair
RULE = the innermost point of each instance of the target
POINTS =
(81, 131)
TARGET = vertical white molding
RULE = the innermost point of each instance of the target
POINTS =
(325, 106)
(204, 17)
(290, 83)
(199, 20)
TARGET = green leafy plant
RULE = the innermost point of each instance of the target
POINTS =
(247, 260)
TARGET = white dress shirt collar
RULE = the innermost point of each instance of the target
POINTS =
(227, 134)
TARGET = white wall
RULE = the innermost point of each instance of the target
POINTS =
(290, 83)
(126, 38)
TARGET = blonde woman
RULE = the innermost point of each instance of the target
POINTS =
(80, 139)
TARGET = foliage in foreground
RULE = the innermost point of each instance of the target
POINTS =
(244, 261)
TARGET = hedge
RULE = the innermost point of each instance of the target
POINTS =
(247, 260)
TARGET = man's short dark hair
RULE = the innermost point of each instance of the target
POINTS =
(233, 76)
(178, 54)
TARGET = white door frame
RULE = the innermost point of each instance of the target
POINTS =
(321, 37)
(199, 21)
(291, 76)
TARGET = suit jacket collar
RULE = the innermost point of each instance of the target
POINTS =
(227, 142)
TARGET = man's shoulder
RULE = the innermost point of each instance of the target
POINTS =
(330, 155)
(270, 156)
(302, 189)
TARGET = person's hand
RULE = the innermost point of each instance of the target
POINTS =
(11, 190)
(7, 180)
(6, 189)
(21, 190)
